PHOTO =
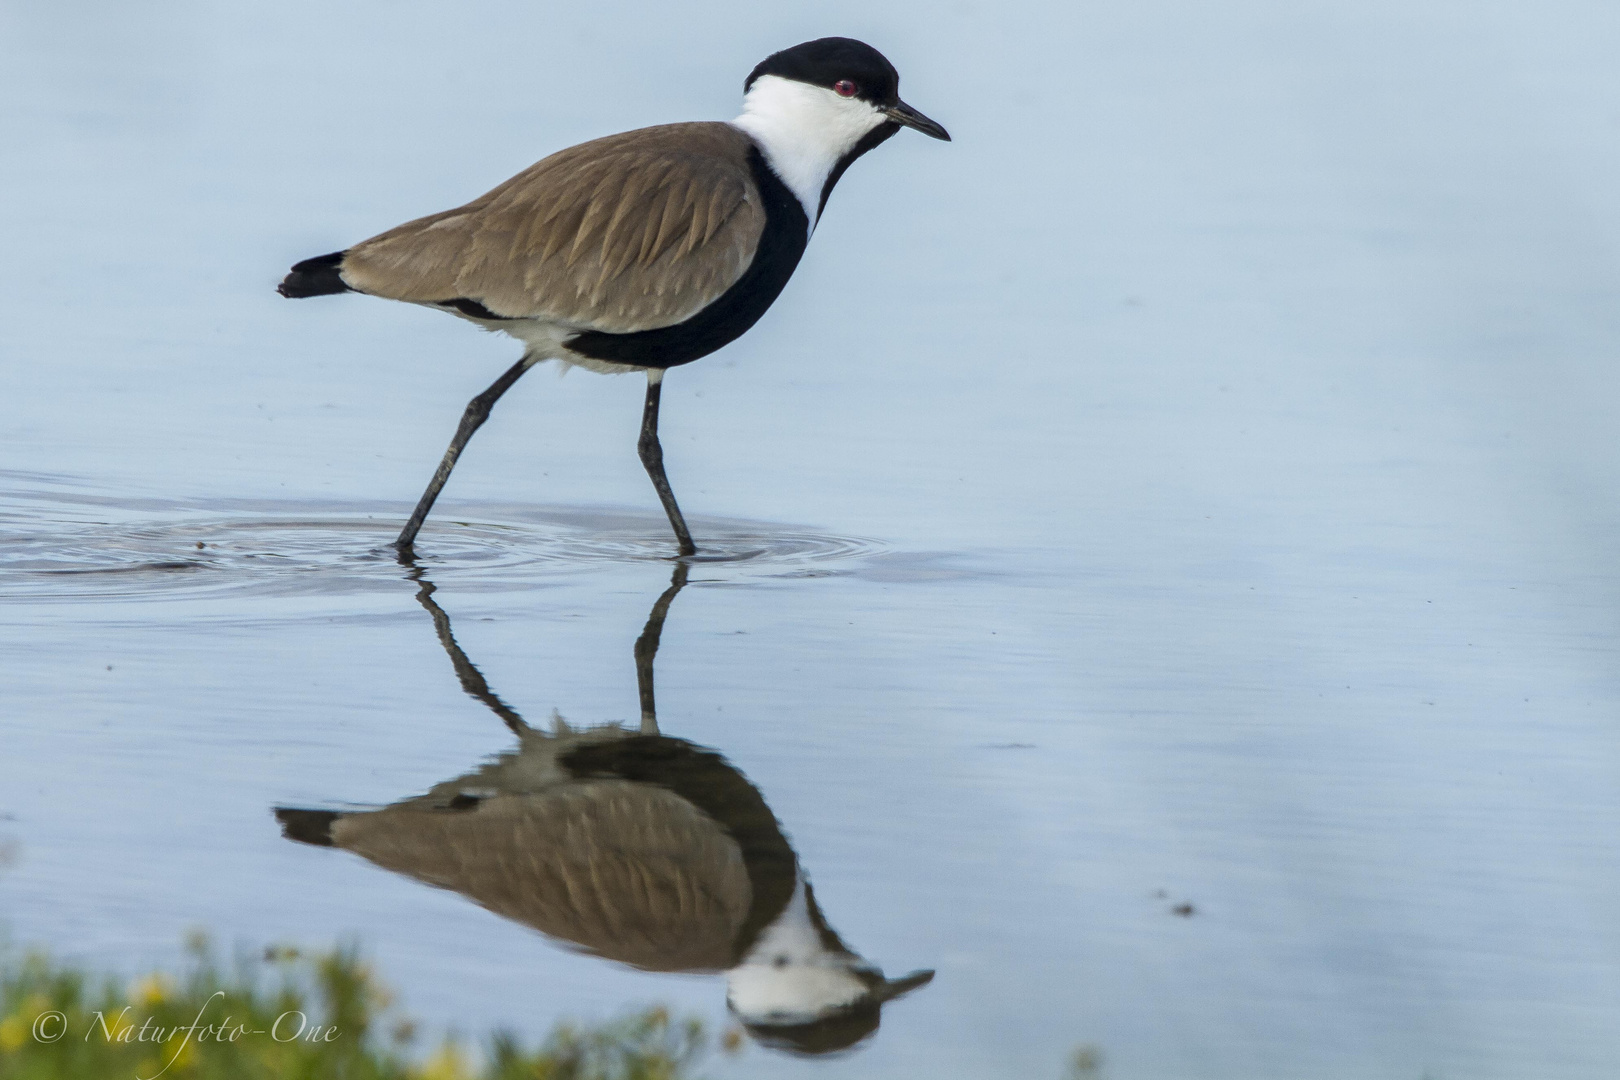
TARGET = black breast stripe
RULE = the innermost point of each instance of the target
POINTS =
(787, 231)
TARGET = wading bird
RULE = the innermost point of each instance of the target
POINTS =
(641, 251)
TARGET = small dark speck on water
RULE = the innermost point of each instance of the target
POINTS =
(1086, 1062)
(1011, 746)
(1184, 909)
(201, 545)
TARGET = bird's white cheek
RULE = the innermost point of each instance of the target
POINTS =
(804, 131)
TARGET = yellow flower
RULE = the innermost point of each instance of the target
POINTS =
(13, 1033)
(152, 990)
(17, 1027)
(174, 1058)
(445, 1064)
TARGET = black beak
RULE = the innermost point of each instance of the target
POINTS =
(901, 113)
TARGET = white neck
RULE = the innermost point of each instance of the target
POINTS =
(789, 976)
(804, 131)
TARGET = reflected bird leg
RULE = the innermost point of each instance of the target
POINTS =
(471, 420)
(647, 649)
(472, 680)
(652, 456)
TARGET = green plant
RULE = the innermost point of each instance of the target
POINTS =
(284, 1015)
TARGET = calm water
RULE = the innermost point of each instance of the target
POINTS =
(1190, 490)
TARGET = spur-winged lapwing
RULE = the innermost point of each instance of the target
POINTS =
(634, 846)
(640, 251)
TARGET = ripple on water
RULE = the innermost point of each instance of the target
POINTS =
(104, 549)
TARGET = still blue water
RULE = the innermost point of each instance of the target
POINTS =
(1192, 488)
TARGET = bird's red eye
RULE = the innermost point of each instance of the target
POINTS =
(845, 88)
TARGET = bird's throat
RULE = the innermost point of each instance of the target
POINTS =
(805, 132)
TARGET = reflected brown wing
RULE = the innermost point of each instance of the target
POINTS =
(626, 233)
(627, 871)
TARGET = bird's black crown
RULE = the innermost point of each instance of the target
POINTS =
(828, 61)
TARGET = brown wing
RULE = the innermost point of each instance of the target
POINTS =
(628, 871)
(630, 232)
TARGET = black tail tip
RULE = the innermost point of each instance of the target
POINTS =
(314, 277)
(307, 826)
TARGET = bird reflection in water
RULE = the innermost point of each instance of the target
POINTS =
(635, 846)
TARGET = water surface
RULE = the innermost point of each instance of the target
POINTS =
(1158, 562)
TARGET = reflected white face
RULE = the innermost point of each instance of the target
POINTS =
(791, 994)
(804, 131)
(789, 976)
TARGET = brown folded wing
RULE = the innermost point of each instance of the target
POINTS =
(628, 871)
(626, 233)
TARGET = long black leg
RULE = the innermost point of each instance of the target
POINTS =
(647, 649)
(472, 680)
(471, 420)
(652, 456)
